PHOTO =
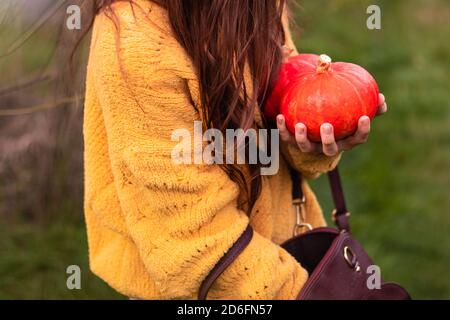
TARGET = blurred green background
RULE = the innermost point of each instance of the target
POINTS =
(397, 185)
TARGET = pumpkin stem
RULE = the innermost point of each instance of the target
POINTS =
(324, 63)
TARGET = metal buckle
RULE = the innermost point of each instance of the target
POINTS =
(299, 205)
(299, 226)
(351, 259)
(334, 214)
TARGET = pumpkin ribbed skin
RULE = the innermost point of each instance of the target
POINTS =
(287, 74)
(319, 91)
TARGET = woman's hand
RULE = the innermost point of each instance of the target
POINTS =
(329, 145)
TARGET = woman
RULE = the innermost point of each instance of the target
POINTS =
(157, 228)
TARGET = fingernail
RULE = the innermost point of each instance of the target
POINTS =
(280, 120)
(300, 128)
(327, 128)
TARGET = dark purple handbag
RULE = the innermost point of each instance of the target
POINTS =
(336, 263)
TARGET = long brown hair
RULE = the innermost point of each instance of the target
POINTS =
(222, 37)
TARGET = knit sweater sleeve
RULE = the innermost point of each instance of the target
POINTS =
(310, 165)
(181, 217)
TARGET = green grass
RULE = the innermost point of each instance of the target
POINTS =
(34, 258)
(398, 184)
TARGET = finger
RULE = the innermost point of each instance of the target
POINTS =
(381, 99)
(382, 105)
(301, 137)
(329, 146)
(285, 135)
(346, 144)
(362, 133)
(382, 109)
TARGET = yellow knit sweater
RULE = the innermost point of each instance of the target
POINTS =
(155, 228)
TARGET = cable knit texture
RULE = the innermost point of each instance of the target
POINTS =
(155, 228)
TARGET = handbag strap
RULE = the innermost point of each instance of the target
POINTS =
(340, 217)
(340, 213)
(225, 261)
